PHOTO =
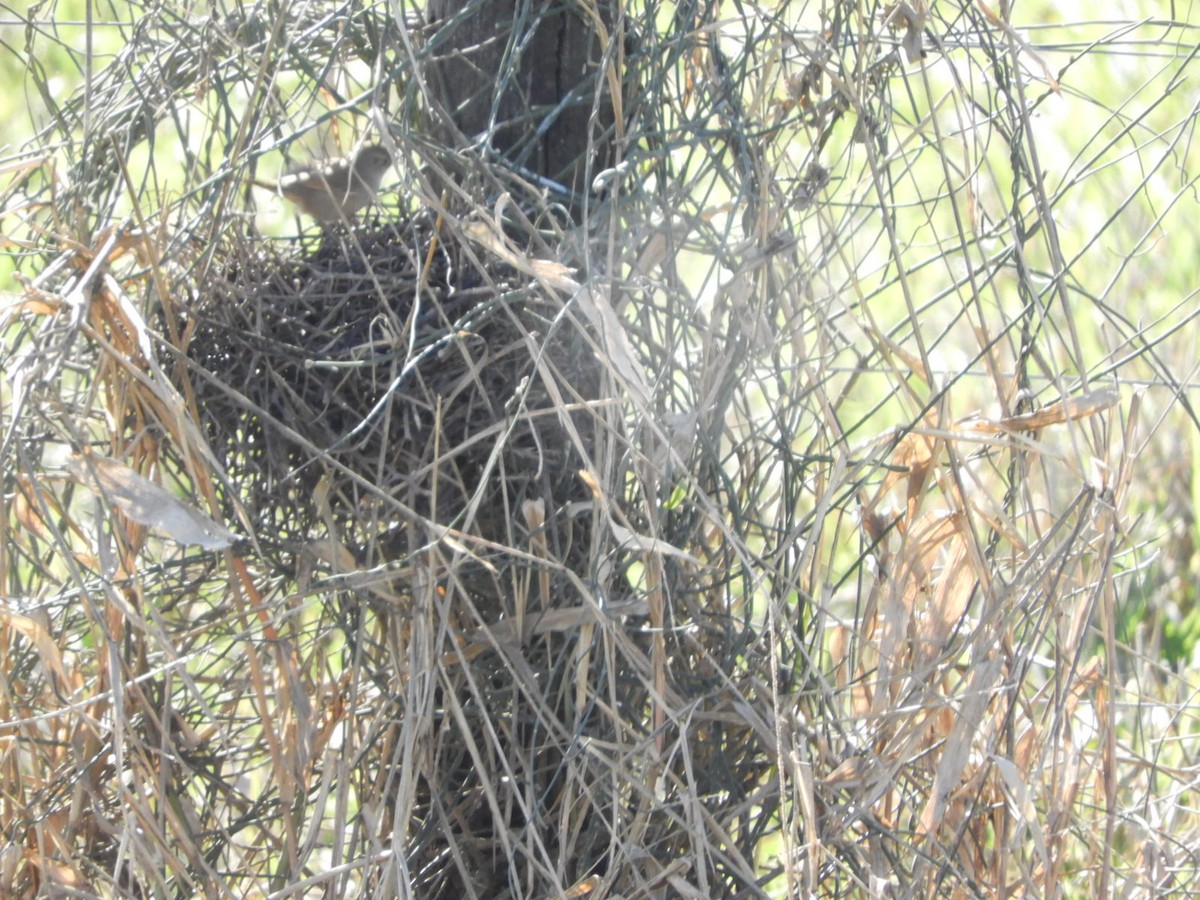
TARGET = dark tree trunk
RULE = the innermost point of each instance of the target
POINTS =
(522, 76)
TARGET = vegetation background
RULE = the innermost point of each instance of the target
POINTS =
(867, 564)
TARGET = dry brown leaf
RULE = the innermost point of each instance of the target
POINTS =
(956, 753)
(1021, 804)
(625, 537)
(584, 887)
(38, 635)
(35, 302)
(954, 586)
(838, 643)
(1089, 678)
(534, 513)
(333, 553)
(912, 460)
(549, 272)
(594, 304)
(1066, 410)
(915, 453)
(908, 604)
(26, 513)
(1027, 745)
(917, 556)
(874, 524)
(654, 251)
(592, 484)
(146, 503)
(851, 773)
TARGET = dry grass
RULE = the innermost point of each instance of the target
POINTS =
(789, 529)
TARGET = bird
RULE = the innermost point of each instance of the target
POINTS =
(335, 189)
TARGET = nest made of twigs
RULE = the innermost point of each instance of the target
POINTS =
(385, 369)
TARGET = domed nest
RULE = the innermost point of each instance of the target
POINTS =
(383, 377)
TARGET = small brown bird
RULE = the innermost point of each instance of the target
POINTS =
(334, 190)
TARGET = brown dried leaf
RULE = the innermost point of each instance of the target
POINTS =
(1066, 410)
(954, 586)
(146, 503)
(38, 635)
(25, 512)
(595, 305)
(912, 459)
(957, 750)
(626, 537)
(1021, 803)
